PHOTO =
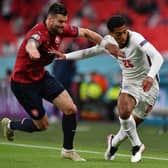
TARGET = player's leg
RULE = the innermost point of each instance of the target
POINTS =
(125, 109)
(126, 105)
(114, 141)
(139, 113)
(26, 125)
(29, 98)
(55, 93)
(64, 102)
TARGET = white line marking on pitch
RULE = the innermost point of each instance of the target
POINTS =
(81, 151)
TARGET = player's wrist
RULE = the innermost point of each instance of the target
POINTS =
(151, 76)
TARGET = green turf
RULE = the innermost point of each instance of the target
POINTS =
(91, 137)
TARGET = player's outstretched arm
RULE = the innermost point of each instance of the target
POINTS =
(156, 63)
(79, 54)
(98, 39)
(31, 48)
(85, 53)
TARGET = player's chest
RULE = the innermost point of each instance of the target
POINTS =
(131, 59)
(52, 42)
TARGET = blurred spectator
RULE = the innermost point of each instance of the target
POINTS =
(8, 74)
(143, 6)
(102, 29)
(154, 19)
(17, 25)
(6, 9)
(91, 92)
(8, 48)
(19, 41)
(77, 19)
(64, 71)
(111, 101)
(88, 10)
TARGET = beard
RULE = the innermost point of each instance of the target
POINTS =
(56, 30)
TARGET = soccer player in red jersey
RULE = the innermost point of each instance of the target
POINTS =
(31, 82)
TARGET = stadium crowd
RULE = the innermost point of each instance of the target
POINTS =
(150, 17)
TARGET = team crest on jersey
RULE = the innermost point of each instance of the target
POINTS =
(72, 28)
(36, 36)
(57, 41)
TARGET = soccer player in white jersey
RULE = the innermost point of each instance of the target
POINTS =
(140, 88)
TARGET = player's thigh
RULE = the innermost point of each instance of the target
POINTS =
(28, 96)
(65, 103)
(54, 92)
(126, 104)
(142, 109)
(51, 87)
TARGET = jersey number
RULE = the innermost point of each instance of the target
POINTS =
(127, 64)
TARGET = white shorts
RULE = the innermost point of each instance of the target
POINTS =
(143, 99)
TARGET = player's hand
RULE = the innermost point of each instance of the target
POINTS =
(147, 83)
(58, 54)
(114, 50)
(34, 55)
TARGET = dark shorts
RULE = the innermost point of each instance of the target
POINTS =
(30, 95)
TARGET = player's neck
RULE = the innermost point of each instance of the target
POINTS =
(126, 43)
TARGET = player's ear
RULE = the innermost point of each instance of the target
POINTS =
(50, 18)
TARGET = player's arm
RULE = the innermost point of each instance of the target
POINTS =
(85, 53)
(79, 54)
(31, 49)
(93, 51)
(98, 39)
(90, 35)
(156, 63)
(156, 59)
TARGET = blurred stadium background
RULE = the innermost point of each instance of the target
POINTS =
(93, 83)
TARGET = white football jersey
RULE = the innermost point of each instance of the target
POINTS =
(136, 64)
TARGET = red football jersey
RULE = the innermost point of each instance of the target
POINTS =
(29, 71)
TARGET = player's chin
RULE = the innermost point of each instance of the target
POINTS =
(60, 30)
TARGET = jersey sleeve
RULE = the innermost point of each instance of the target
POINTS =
(38, 33)
(108, 39)
(70, 31)
(139, 40)
(147, 48)
(38, 36)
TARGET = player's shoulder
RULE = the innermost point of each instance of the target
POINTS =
(39, 27)
(110, 39)
(136, 37)
(39, 31)
(70, 31)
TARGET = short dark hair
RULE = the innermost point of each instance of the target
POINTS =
(115, 21)
(57, 8)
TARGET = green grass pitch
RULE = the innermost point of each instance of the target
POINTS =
(42, 150)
